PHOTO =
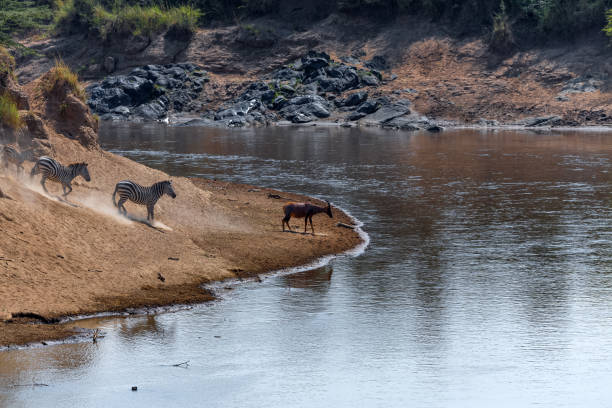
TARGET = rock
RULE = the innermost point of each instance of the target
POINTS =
(542, 121)
(314, 61)
(121, 110)
(256, 37)
(158, 89)
(369, 80)
(390, 111)
(393, 77)
(434, 128)
(562, 98)
(487, 122)
(198, 122)
(407, 124)
(279, 102)
(584, 84)
(287, 89)
(151, 111)
(356, 116)
(368, 107)
(109, 65)
(304, 99)
(288, 74)
(355, 99)
(350, 60)
(377, 62)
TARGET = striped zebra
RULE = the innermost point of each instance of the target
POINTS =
(9, 155)
(54, 171)
(128, 190)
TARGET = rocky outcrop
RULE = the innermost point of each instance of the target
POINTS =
(314, 87)
(149, 92)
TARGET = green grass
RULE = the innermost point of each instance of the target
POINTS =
(608, 28)
(22, 16)
(123, 18)
(61, 75)
(9, 114)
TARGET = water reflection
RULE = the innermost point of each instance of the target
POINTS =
(487, 278)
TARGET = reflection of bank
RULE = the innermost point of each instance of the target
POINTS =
(318, 278)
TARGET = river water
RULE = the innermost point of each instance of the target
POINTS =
(487, 281)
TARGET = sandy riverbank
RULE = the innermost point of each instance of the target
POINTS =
(60, 260)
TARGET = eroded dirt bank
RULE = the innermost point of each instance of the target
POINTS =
(448, 79)
(58, 260)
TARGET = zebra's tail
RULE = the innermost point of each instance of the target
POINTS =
(114, 193)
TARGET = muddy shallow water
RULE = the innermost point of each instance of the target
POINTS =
(487, 281)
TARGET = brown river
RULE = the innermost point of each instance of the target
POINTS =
(487, 281)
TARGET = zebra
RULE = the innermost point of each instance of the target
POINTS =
(54, 171)
(128, 190)
(10, 155)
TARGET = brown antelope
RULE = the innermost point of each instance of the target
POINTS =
(301, 210)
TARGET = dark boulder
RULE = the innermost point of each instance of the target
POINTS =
(378, 62)
(368, 107)
(355, 99)
(356, 116)
(389, 111)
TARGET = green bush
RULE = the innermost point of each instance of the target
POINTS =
(608, 28)
(9, 114)
(123, 18)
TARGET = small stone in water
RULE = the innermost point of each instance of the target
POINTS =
(134, 388)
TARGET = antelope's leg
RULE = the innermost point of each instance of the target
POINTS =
(311, 227)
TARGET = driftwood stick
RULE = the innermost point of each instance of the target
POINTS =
(31, 385)
(343, 225)
(184, 364)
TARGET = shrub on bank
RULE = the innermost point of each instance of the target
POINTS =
(9, 114)
(123, 18)
(608, 28)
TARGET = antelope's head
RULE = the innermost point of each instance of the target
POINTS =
(328, 210)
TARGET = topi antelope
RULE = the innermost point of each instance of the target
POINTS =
(301, 210)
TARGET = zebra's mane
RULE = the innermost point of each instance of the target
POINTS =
(77, 165)
(161, 183)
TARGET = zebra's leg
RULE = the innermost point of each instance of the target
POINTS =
(70, 191)
(42, 183)
(150, 212)
(121, 206)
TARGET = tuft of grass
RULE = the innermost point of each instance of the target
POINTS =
(9, 114)
(61, 75)
(7, 63)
